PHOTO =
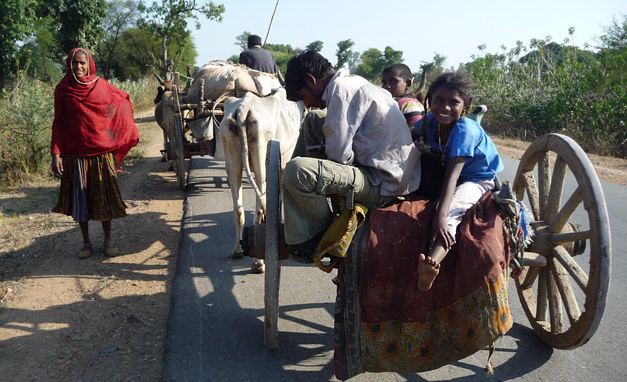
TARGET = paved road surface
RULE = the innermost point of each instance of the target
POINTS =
(215, 329)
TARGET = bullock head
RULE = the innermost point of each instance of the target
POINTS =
(165, 86)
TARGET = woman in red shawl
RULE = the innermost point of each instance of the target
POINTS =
(93, 124)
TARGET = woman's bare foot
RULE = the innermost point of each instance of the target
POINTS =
(428, 269)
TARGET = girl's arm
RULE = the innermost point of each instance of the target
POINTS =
(439, 226)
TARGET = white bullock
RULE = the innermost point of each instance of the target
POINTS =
(248, 124)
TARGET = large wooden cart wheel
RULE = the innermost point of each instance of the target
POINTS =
(179, 139)
(273, 264)
(559, 276)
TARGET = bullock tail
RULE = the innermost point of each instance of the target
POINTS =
(241, 122)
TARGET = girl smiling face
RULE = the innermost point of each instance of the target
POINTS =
(447, 106)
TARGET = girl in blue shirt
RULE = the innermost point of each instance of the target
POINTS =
(471, 162)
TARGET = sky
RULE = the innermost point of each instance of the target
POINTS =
(420, 29)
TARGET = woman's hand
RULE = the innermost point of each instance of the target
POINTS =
(57, 164)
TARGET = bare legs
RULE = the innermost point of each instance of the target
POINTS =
(106, 228)
(87, 247)
(85, 232)
(429, 266)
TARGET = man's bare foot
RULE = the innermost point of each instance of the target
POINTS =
(428, 269)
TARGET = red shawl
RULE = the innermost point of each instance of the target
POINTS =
(91, 116)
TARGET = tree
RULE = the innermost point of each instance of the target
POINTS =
(137, 54)
(242, 41)
(38, 51)
(16, 20)
(282, 54)
(138, 48)
(344, 53)
(392, 56)
(615, 36)
(315, 46)
(169, 20)
(121, 16)
(76, 24)
(373, 61)
(434, 67)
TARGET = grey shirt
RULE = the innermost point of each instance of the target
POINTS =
(364, 127)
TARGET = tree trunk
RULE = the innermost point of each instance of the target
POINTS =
(164, 57)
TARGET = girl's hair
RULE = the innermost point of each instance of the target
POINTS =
(452, 81)
(400, 70)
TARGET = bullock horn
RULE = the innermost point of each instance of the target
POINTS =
(158, 78)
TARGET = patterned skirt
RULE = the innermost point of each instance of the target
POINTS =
(89, 189)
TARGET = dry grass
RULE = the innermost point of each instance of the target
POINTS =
(610, 169)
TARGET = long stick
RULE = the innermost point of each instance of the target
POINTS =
(268, 32)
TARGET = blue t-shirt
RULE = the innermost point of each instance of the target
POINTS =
(467, 139)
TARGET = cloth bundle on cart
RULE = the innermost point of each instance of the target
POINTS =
(383, 322)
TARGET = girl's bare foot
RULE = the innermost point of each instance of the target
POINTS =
(428, 269)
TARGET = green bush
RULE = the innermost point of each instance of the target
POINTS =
(26, 115)
(555, 88)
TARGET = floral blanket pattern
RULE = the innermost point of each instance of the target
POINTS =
(384, 323)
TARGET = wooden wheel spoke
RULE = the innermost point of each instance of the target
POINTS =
(532, 194)
(567, 210)
(569, 237)
(530, 275)
(566, 292)
(542, 296)
(571, 266)
(555, 305)
(544, 181)
(557, 187)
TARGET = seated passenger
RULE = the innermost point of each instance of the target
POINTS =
(368, 150)
(471, 162)
(397, 79)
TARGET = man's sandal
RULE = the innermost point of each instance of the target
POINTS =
(110, 249)
(85, 251)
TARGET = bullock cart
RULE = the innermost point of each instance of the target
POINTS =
(564, 280)
(206, 114)
(201, 109)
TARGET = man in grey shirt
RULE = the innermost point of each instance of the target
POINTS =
(367, 144)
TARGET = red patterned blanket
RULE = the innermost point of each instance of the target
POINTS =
(383, 322)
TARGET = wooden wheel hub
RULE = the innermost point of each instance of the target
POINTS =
(543, 242)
